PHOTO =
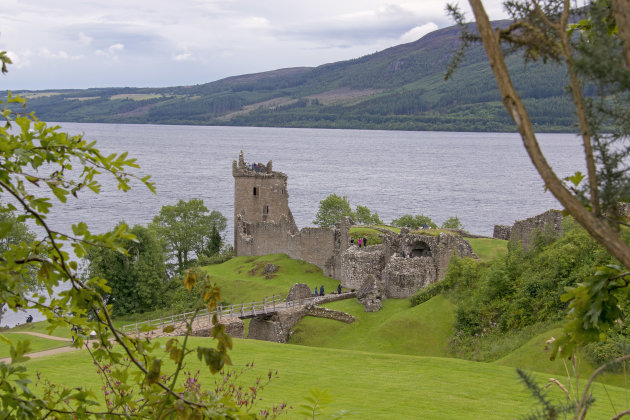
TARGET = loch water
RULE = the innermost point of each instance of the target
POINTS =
(483, 178)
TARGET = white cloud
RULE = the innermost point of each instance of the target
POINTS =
(254, 22)
(111, 51)
(19, 60)
(417, 32)
(183, 57)
(59, 55)
(84, 39)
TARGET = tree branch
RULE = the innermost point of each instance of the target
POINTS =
(580, 107)
(598, 229)
(621, 9)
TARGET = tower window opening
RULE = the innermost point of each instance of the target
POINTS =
(255, 190)
(266, 210)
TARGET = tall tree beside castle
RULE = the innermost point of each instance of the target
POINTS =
(332, 209)
(186, 230)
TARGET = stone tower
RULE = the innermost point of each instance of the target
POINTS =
(260, 194)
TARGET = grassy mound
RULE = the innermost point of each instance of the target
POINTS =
(242, 279)
(372, 235)
(422, 330)
(488, 249)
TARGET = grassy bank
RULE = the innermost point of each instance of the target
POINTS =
(371, 385)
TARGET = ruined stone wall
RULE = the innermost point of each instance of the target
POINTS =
(548, 223)
(275, 328)
(439, 247)
(358, 263)
(326, 313)
(405, 276)
(233, 326)
(402, 265)
(502, 232)
(319, 246)
(316, 246)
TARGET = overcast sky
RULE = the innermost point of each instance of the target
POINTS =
(151, 43)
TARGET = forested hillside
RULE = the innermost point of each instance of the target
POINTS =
(400, 88)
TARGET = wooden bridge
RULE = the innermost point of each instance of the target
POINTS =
(267, 306)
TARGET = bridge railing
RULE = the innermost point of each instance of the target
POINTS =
(267, 305)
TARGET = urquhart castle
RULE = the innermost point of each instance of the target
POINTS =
(398, 267)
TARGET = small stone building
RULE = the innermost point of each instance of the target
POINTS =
(403, 263)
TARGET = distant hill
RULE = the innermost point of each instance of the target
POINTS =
(400, 88)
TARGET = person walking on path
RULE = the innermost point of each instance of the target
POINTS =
(315, 291)
(364, 242)
(339, 289)
(360, 242)
(321, 290)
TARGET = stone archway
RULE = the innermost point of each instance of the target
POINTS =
(420, 249)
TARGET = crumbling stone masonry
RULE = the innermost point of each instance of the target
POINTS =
(264, 223)
(402, 265)
(299, 291)
(547, 223)
(502, 232)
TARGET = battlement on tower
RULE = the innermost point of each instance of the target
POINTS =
(246, 169)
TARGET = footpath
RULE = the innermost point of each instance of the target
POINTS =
(43, 353)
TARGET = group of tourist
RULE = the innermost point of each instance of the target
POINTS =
(321, 290)
(258, 167)
(362, 242)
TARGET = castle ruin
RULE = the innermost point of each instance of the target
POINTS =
(263, 223)
(403, 264)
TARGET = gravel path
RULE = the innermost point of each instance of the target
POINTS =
(43, 353)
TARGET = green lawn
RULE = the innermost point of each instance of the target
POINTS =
(487, 248)
(241, 279)
(371, 385)
(392, 228)
(36, 343)
(371, 234)
(41, 327)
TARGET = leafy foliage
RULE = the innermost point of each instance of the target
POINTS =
(332, 209)
(364, 216)
(414, 222)
(136, 277)
(452, 223)
(549, 409)
(187, 228)
(39, 165)
(317, 403)
(521, 289)
(592, 44)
